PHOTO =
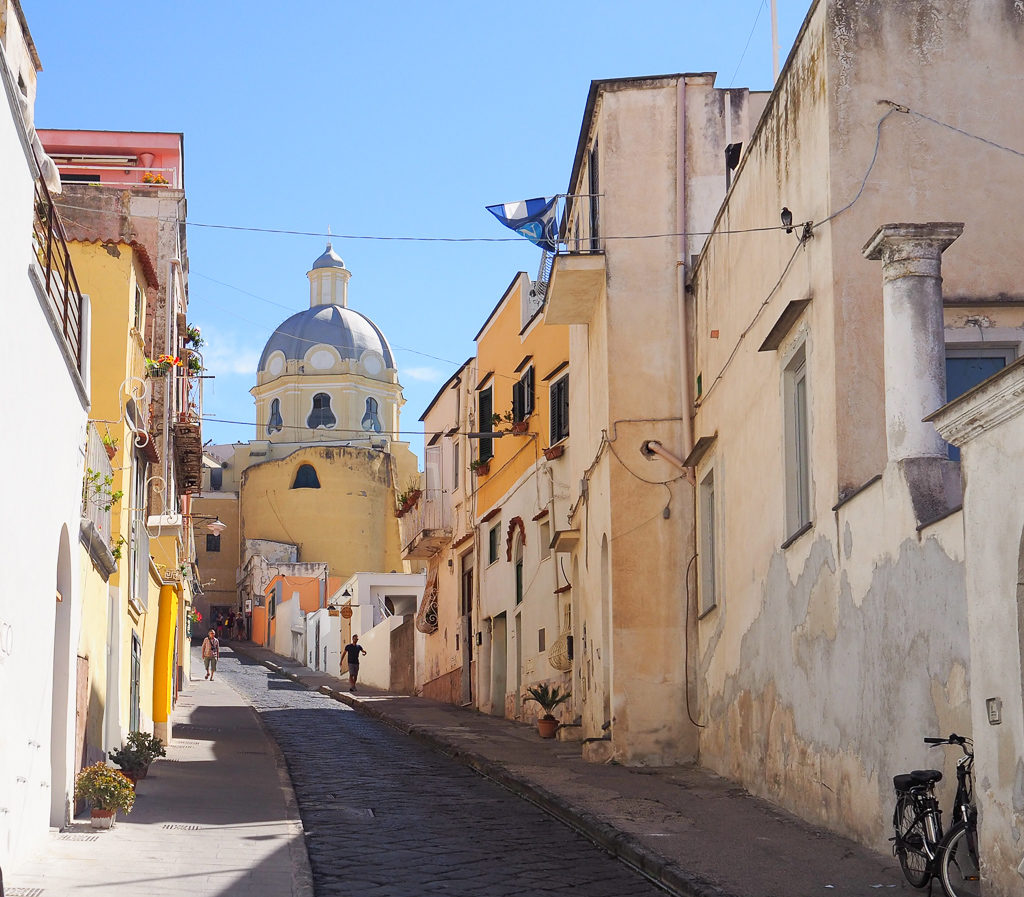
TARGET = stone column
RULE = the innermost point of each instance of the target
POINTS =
(915, 360)
(915, 349)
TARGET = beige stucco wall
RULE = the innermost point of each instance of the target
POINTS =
(989, 426)
(658, 137)
(826, 661)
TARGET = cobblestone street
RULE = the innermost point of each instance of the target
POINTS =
(385, 815)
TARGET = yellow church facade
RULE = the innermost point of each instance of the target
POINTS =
(318, 484)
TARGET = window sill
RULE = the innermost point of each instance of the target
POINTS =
(806, 528)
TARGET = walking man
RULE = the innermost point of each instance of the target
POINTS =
(211, 651)
(353, 651)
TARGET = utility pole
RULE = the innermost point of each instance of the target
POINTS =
(775, 42)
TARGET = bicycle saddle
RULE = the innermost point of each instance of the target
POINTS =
(915, 778)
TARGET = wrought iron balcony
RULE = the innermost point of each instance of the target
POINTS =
(49, 242)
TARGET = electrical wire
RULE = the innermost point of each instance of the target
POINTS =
(746, 46)
(411, 239)
(686, 646)
(753, 321)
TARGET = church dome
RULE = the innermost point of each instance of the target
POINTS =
(342, 328)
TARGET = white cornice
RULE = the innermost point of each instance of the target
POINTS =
(997, 400)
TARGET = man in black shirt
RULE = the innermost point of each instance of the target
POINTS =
(353, 651)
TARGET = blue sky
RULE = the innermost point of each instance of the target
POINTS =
(398, 119)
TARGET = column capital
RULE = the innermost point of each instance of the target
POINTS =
(896, 242)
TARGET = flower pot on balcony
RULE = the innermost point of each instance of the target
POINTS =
(111, 450)
(555, 451)
(520, 426)
(482, 469)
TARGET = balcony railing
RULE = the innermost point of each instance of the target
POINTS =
(427, 527)
(49, 243)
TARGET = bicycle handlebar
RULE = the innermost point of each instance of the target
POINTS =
(959, 740)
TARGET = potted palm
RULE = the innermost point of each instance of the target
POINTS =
(106, 791)
(548, 698)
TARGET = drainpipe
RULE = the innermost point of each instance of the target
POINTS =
(915, 359)
(684, 348)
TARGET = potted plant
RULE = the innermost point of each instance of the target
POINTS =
(106, 791)
(548, 698)
(162, 364)
(193, 336)
(554, 451)
(480, 468)
(135, 757)
(407, 499)
(109, 445)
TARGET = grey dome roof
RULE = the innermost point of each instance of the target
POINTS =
(348, 331)
(330, 259)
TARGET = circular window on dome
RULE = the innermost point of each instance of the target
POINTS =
(275, 364)
(322, 359)
(372, 362)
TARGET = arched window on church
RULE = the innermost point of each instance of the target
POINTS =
(371, 420)
(306, 478)
(321, 416)
(275, 422)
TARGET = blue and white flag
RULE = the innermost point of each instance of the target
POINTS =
(535, 219)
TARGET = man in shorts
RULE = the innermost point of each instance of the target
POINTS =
(211, 651)
(353, 651)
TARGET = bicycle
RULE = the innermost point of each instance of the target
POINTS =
(923, 850)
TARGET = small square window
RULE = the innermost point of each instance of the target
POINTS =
(541, 640)
(212, 542)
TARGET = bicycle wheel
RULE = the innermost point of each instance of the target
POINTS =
(958, 862)
(910, 840)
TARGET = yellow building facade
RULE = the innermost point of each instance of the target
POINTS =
(127, 646)
(524, 612)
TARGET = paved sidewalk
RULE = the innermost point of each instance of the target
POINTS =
(695, 833)
(217, 816)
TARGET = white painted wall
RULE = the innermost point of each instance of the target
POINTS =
(41, 524)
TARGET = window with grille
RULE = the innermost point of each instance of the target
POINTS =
(212, 542)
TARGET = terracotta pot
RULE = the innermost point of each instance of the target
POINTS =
(556, 451)
(111, 450)
(547, 726)
(520, 426)
(102, 818)
(483, 469)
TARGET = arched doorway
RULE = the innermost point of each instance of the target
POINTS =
(60, 700)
